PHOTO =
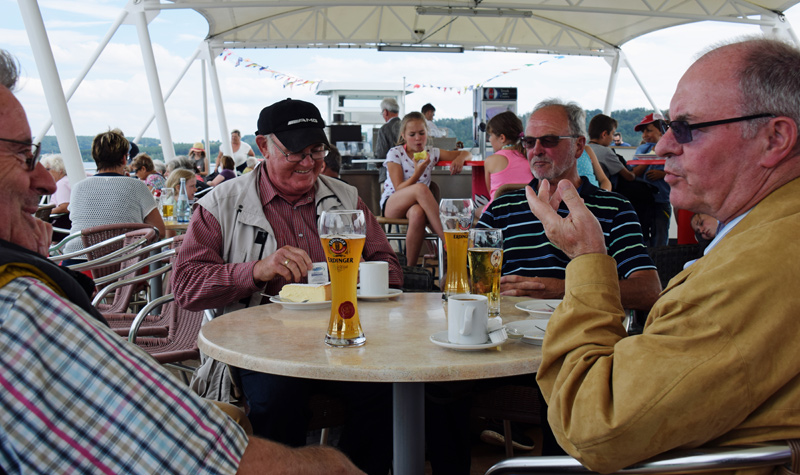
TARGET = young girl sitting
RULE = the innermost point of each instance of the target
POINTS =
(406, 192)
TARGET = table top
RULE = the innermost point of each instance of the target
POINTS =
(272, 339)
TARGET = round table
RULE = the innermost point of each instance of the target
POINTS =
(276, 340)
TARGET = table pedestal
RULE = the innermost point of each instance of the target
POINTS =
(408, 415)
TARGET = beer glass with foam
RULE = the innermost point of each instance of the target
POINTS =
(485, 256)
(343, 234)
(456, 216)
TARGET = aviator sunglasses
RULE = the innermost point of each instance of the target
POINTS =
(682, 130)
(547, 141)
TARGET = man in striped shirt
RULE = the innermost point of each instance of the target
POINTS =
(76, 398)
(255, 234)
(532, 265)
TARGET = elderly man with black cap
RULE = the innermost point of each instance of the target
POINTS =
(255, 234)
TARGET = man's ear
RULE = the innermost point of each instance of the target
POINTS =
(263, 146)
(781, 135)
(580, 143)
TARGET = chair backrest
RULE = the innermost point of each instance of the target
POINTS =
(98, 234)
(43, 212)
(669, 260)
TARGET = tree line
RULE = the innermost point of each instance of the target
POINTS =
(462, 129)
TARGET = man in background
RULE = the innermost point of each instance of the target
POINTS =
(433, 131)
(717, 362)
(618, 140)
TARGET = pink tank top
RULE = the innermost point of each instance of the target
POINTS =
(517, 171)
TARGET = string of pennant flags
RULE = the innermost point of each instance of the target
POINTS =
(291, 81)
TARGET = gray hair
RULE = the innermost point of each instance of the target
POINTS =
(54, 162)
(9, 70)
(181, 161)
(769, 81)
(159, 166)
(576, 116)
(390, 105)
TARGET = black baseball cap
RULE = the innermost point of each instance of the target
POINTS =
(297, 124)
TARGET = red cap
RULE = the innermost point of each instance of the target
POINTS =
(648, 119)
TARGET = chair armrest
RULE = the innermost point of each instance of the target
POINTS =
(132, 268)
(85, 250)
(55, 248)
(137, 322)
(676, 461)
(133, 280)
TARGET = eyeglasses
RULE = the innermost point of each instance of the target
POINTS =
(682, 130)
(31, 158)
(316, 155)
(547, 141)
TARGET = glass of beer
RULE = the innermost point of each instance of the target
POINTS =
(167, 203)
(343, 234)
(456, 216)
(485, 254)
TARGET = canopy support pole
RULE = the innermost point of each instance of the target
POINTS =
(53, 92)
(82, 75)
(169, 92)
(156, 96)
(639, 82)
(205, 110)
(612, 83)
(225, 135)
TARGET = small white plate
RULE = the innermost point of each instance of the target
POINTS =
(539, 306)
(440, 338)
(392, 294)
(301, 305)
(531, 334)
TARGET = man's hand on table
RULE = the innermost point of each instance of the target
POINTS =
(291, 263)
(576, 234)
(535, 287)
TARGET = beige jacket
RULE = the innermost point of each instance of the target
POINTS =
(718, 362)
(247, 234)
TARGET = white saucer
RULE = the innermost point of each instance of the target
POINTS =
(301, 305)
(392, 294)
(539, 306)
(440, 338)
(531, 334)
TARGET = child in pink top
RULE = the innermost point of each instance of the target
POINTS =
(508, 164)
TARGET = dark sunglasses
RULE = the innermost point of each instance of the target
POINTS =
(547, 141)
(682, 130)
(31, 158)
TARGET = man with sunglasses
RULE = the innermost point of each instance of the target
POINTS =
(654, 214)
(532, 265)
(255, 234)
(717, 362)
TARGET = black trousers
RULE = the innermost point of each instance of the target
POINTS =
(279, 411)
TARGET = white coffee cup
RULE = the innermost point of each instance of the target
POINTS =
(374, 278)
(468, 319)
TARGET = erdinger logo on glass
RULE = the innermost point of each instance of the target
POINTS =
(347, 310)
(338, 246)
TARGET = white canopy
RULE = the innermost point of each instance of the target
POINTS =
(575, 27)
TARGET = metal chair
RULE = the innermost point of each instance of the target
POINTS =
(678, 461)
(180, 344)
(509, 403)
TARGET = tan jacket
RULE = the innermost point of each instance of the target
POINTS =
(718, 362)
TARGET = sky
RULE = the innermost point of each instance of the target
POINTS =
(115, 93)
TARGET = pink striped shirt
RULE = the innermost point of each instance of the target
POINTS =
(203, 280)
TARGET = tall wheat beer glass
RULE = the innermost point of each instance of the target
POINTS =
(456, 216)
(485, 253)
(343, 234)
